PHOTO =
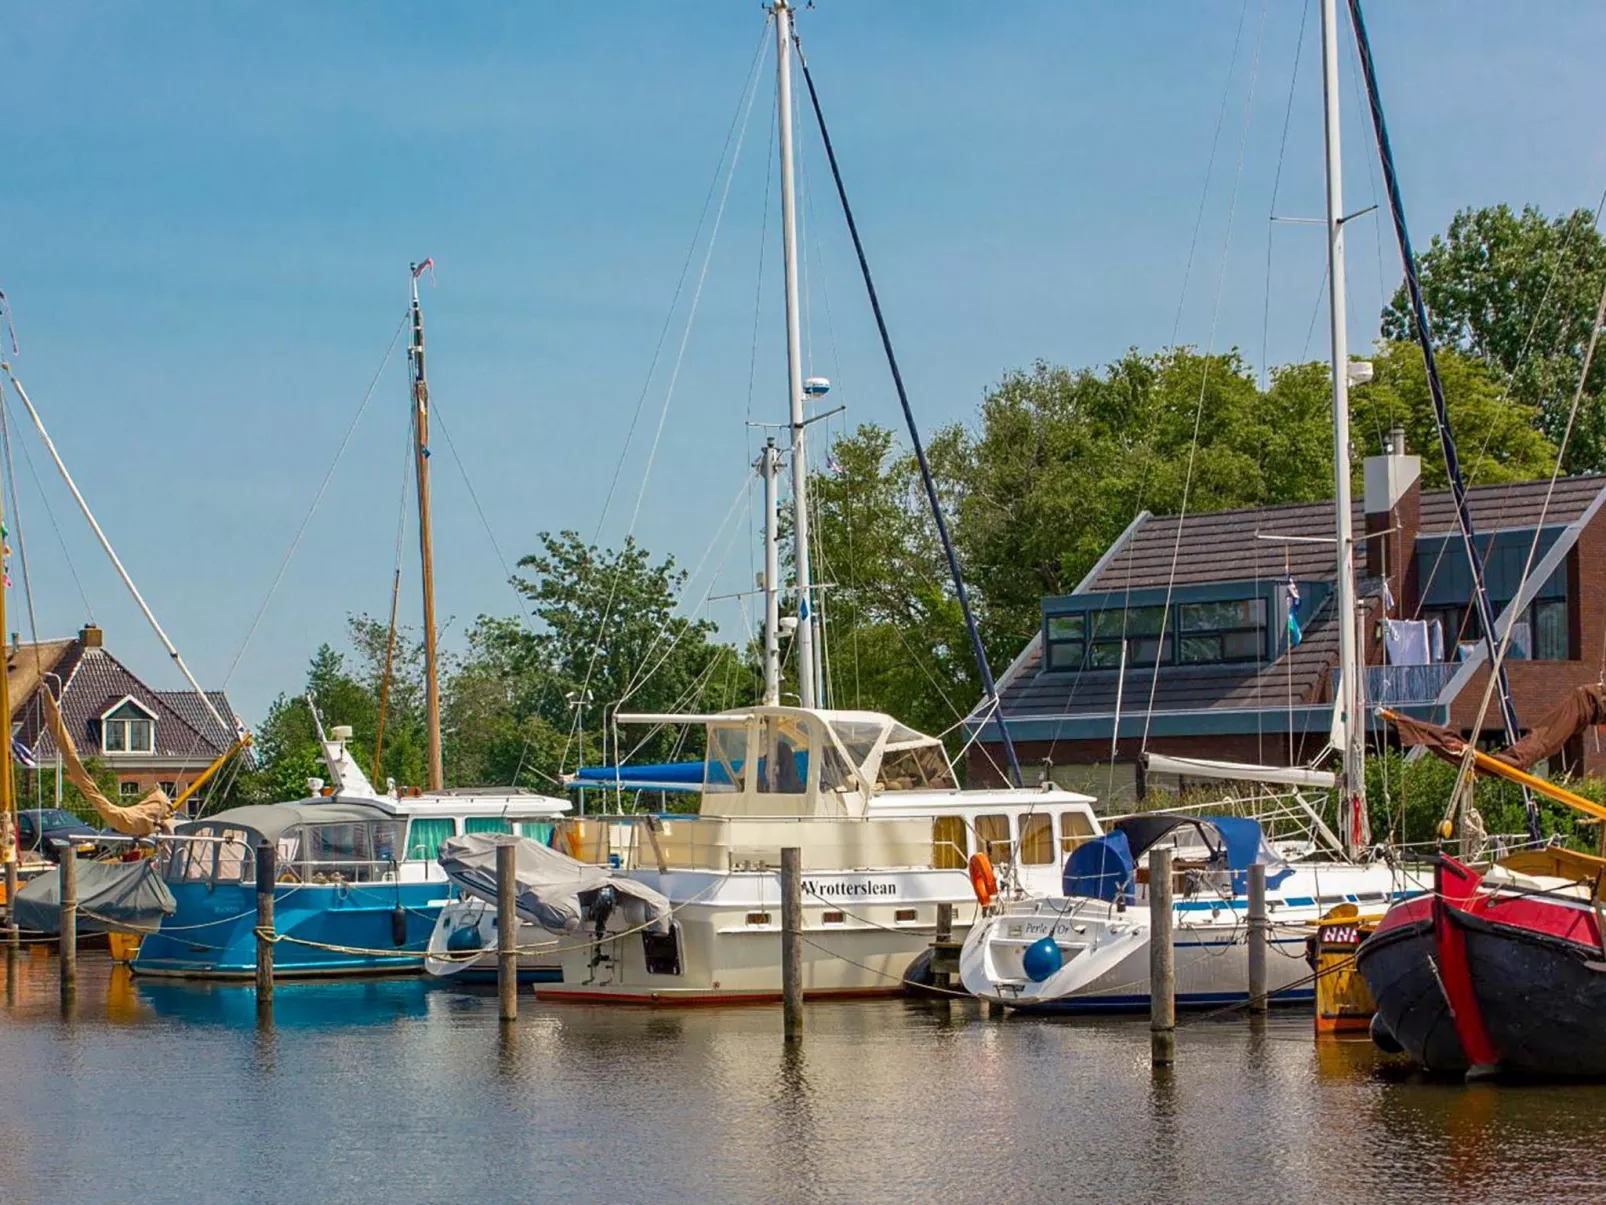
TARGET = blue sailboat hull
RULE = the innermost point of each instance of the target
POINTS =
(331, 930)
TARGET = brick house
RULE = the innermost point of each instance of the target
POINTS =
(1226, 680)
(146, 737)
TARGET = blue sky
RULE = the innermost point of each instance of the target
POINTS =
(209, 209)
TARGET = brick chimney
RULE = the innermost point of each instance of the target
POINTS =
(1393, 502)
(90, 636)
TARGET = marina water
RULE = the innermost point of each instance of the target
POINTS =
(403, 1090)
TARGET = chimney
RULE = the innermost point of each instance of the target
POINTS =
(1393, 502)
(90, 637)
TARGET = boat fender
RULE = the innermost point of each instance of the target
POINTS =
(398, 926)
(982, 879)
(1042, 959)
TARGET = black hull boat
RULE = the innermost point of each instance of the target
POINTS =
(1542, 998)
(1412, 1017)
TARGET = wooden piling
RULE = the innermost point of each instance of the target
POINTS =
(943, 955)
(1258, 938)
(267, 876)
(69, 916)
(792, 943)
(13, 934)
(1162, 965)
(507, 933)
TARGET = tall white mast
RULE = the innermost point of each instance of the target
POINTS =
(794, 361)
(769, 465)
(1352, 723)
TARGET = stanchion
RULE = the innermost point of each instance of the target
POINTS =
(1162, 964)
(792, 942)
(68, 916)
(507, 933)
(1258, 934)
(267, 875)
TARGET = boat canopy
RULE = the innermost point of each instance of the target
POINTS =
(1226, 843)
(268, 821)
(791, 761)
(1101, 869)
(553, 890)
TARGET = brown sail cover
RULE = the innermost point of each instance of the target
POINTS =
(153, 813)
(1582, 709)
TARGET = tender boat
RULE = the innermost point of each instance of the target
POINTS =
(359, 885)
(1086, 948)
(885, 838)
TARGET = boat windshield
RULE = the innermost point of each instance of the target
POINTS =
(924, 767)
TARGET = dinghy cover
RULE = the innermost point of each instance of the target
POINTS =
(113, 897)
(553, 890)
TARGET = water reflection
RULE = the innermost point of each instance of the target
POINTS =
(411, 1092)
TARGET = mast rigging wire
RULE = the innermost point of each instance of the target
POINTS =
(988, 685)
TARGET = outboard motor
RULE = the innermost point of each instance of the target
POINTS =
(600, 909)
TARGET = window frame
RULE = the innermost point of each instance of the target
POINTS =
(1151, 634)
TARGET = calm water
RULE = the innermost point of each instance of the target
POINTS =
(399, 1091)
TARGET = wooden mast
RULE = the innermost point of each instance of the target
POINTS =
(8, 802)
(426, 554)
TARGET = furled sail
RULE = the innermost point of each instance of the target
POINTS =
(1581, 710)
(153, 813)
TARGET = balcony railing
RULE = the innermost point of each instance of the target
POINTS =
(1386, 684)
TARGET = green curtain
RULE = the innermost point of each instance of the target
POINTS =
(427, 836)
(487, 824)
(537, 831)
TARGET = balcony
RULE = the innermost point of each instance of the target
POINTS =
(1387, 685)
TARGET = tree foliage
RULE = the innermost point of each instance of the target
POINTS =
(1520, 291)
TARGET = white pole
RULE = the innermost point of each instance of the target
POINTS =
(769, 465)
(1353, 781)
(794, 360)
(61, 466)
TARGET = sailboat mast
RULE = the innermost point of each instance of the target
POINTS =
(426, 551)
(769, 466)
(1352, 782)
(794, 360)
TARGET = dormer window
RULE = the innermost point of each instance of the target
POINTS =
(128, 728)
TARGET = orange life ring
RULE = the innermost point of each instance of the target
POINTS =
(982, 879)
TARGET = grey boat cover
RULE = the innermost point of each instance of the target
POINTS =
(550, 885)
(113, 897)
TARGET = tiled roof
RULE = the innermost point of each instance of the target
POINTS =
(1224, 545)
(95, 681)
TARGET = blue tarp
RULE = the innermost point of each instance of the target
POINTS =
(1101, 869)
(1246, 845)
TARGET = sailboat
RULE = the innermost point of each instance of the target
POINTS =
(359, 886)
(1086, 947)
(886, 839)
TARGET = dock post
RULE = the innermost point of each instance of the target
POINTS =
(507, 934)
(1258, 934)
(69, 917)
(940, 941)
(13, 934)
(792, 942)
(267, 876)
(1162, 965)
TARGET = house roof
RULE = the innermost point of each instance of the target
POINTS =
(92, 681)
(1225, 545)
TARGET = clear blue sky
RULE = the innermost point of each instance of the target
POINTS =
(209, 209)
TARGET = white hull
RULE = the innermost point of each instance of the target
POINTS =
(1105, 948)
(862, 931)
(541, 962)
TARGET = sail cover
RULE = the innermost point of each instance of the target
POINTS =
(1582, 709)
(553, 890)
(113, 897)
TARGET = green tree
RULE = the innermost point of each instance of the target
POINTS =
(1520, 291)
(1497, 436)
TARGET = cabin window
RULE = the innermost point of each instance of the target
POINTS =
(727, 748)
(784, 764)
(1036, 840)
(236, 858)
(539, 831)
(336, 851)
(128, 728)
(992, 838)
(387, 842)
(948, 843)
(487, 824)
(924, 767)
(1075, 828)
(1225, 631)
(426, 837)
